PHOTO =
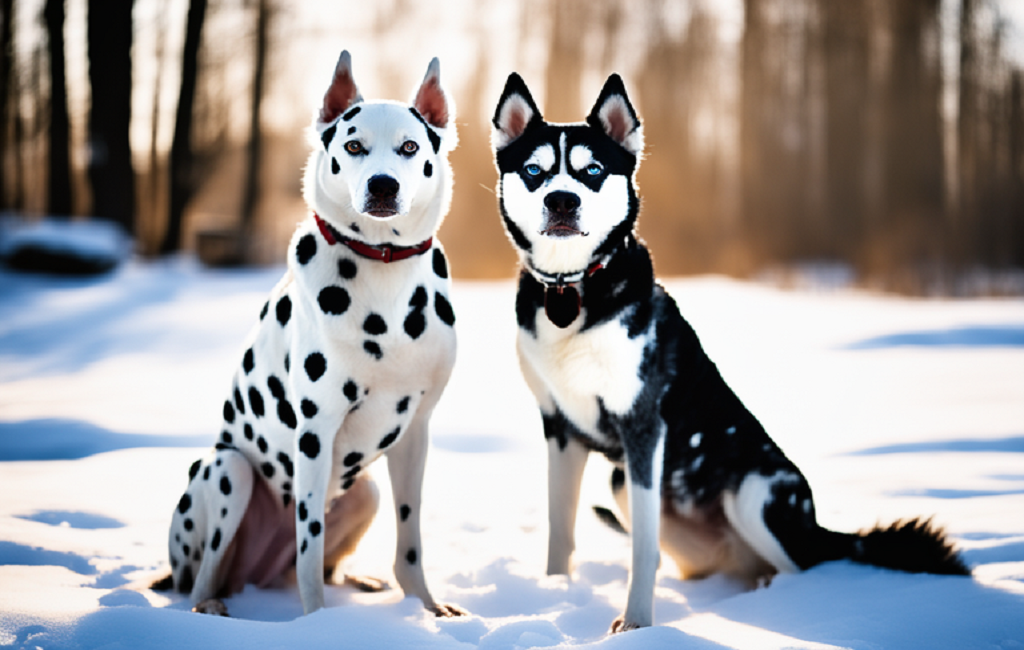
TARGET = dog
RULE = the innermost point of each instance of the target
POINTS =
(348, 360)
(616, 369)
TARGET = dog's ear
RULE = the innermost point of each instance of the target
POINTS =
(431, 101)
(613, 114)
(516, 110)
(341, 94)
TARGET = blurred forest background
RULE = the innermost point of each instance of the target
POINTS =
(882, 138)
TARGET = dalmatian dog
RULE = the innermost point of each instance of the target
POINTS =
(617, 370)
(348, 360)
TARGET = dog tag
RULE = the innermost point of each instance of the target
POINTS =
(562, 305)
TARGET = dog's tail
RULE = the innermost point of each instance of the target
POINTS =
(609, 519)
(911, 545)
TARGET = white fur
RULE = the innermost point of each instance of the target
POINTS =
(645, 518)
(565, 474)
(744, 509)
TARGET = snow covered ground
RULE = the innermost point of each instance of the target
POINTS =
(110, 387)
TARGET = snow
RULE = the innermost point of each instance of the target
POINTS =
(111, 386)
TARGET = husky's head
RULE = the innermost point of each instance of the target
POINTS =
(566, 190)
(379, 171)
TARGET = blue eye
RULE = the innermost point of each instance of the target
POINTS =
(593, 169)
(533, 170)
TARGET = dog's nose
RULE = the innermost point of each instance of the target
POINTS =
(382, 187)
(562, 202)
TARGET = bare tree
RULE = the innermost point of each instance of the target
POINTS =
(6, 65)
(251, 191)
(183, 180)
(111, 176)
(59, 189)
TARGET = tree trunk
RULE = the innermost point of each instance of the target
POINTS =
(111, 176)
(182, 181)
(6, 65)
(58, 201)
(255, 153)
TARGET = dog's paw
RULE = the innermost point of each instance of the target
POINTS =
(366, 583)
(447, 610)
(620, 625)
(213, 606)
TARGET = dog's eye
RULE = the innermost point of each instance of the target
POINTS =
(409, 147)
(594, 169)
(533, 170)
(354, 147)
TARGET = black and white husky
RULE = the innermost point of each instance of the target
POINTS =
(616, 369)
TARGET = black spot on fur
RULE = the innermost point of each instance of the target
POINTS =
(186, 549)
(303, 513)
(275, 386)
(223, 513)
(305, 249)
(347, 484)
(305, 545)
(373, 349)
(375, 325)
(347, 268)
(315, 366)
(261, 442)
(333, 300)
(256, 402)
(286, 499)
(404, 512)
(314, 528)
(284, 310)
(335, 167)
(352, 458)
(286, 414)
(352, 473)
(309, 444)
(193, 470)
(403, 404)
(444, 310)
(309, 408)
(435, 139)
(351, 130)
(267, 469)
(247, 430)
(225, 485)
(184, 503)
(220, 446)
(354, 226)
(440, 264)
(286, 463)
(415, 322)
(226, 437)
(328, 135)
(206, 473)
(215, 542)
(428, 169)
(352, 112)
(287, 363)
(389, 439)
(351, 390)
(411, 556)
(229, 412)
(186, 581)
(188, 524)
(239, 404)
(248, 362)
(266, 308)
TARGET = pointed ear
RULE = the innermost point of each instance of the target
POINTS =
(341, 94)
(431, 100)
(516, 110)
(613, 114)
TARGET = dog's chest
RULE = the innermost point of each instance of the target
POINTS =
(586, 371)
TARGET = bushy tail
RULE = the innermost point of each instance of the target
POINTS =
(911, 545)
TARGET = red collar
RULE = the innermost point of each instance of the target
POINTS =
(383, 253)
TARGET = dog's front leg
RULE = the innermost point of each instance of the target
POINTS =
(312, 476)
(643, 484)
(567, 459)
(406, 462)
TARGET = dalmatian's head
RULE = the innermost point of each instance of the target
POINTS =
(379, 171)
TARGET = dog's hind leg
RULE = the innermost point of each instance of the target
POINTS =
(748, 510)
(204, 524)
(345, 524)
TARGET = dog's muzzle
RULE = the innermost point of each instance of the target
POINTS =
(562, 215)
(381, 197)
